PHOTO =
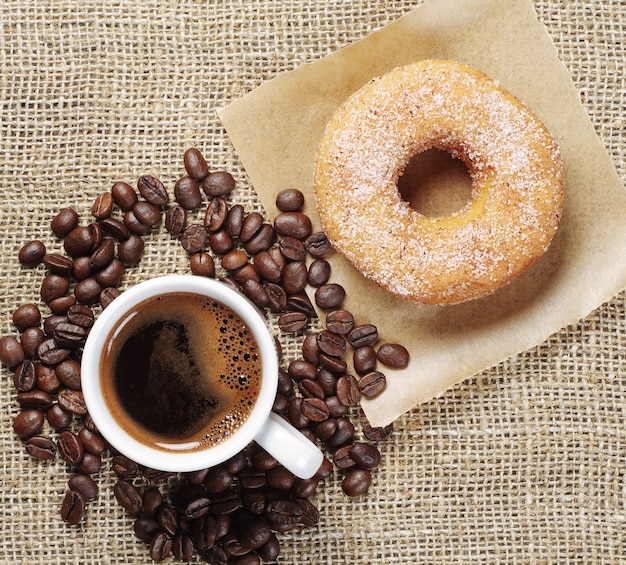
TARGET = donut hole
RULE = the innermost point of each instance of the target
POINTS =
(435, 184)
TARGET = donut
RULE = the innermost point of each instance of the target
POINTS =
(513, 161)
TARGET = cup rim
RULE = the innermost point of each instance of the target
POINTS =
(183, 461)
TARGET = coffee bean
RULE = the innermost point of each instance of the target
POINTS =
(167, 518)
(153, 192)
(234, 220)
(317, 244)
(83, 484)
(124, 467)
(365, 455)
(253, 533)
(32, 253)
(73, 507)
(329, 296)
(124, 195)
(365, 334)
(267, 267)
(256, 292)
(64, 222)
(80, 241)
(216, 214)
(378, 433)
(300, 303)
(290, 200)
(182, 547)
(218, 479)
(111, 275)
(28, 423)
(252, 479)
(134, 225)
(127, 496)
(195, 164)
(372, 384)
(356, 482)
(202, 264)
(283, 512)
(160, 547)
(364, 359)
(51, 322)
(393, 355)
(292, 322)
(39, 399)
(253, 500)
(62, 304)
(58, 418)
(102, 206)
(131, 250)
(294, 224)
(26, 316)
(319, 273)
(325, 430)
(310, 388)
(81, 268)
(25, 376)
(328, 381)
(343, 435)
(315, 409)
(261, 241)
(292, 249)
(115, 228)
(333, 364)
(70, 447)
(251, 225)
(310, 349)
(218, 183)
(156, 475)
(47, 379)
(69, 336)
(146, 213)
(215, 555)
(50, 353)
(220, 242)
(340, 322)
(103, 255)
(225, 502)
(234, 260)
(197, 508)
(277, 298)
(92, 441)
(54, 286)
(331, 343)
(348, 391)
(88, 290)
(57, 263)
(30, 341)
(299, 369)
(90, 464)
(270, 551)
(342, 459)
(193, 238)
(294, 277)
(145, 527)
(80, 315)
(72, 401)
(41, 447)
(187, 193)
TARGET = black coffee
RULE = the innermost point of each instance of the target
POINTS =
(182, 372)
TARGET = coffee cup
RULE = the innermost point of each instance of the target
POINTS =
(180, 373)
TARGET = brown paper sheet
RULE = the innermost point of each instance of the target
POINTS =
(276, 128)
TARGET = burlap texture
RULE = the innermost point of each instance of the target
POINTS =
(522, 464)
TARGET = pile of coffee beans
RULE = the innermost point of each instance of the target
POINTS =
(230, 513)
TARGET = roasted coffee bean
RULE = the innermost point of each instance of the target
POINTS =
(329, 296)
(35, 399)
(331, 343)
(92, 441)
(295, 414)
(80, 315)
(300, 303)
(90, 464)
(218, 183)
(70, 447)
(54, 286)
(378, 433)
(69, 335)
(131, 250)
(102, 206)
(236, 463)
(25, 376)
(372, 384)
(310, 388)
(285, 384)
(256, 292)
(343, 435)
(64, 222)
(267, 267)
(348, 391)
(32, 253)
(156, 475)
(147, 213)
(304, 488)
(127, 496)
(251, 225)
(111, 275)
(299, 369)
(310, 514)
(167, 518)
(364, 359)
(234, 220)
(216, 214)
(393, 355)
(145, 527)
(51, 322)
(365, 455)
(115, 228)
(204, 532)
(58, 418)
(284, 512)
(252, 479)
(26, 316)
(73, 507)
(30, 341)
(218, 479)
(41, 447)
(72, 401)
(225, 502)
(103, 255)
(246, 273)
(234, 260)
(124, 467)
(88, 290)
(325, 430)
(356, 482)
(292, 322)
(280, 478)
(290, 200)
(202, 264)
(277, 298)
(160, 547)
(342, 459)
(83, 484)
(51, 354)
(262, 460)
(187, 193)
(294, 277)
(134, 225)
(58, 263)
(124, 196)
(365, 334)
(253, 533)
(315, 409)
(182, 547)
(317, 244)
(47, 379)
(253, 500)
(108, 295)
(333, 364)
(292, 249)
(193, 238)
(80, 241)
(28, 423)
(195, 165)
(262, 240)
(62, 304)
(151, 500)
(319, 273)
(81, 268)
(175, 220)
(215, 555)
(328, 381)
(294, 224)
(270, 551)
(325, 470)
(340, 322)
(197, 508)
(220, 242)
(153, 191)
(310, 349)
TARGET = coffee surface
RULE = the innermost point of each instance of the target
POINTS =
(181, 372)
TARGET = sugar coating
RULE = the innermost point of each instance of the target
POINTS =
(513, 161)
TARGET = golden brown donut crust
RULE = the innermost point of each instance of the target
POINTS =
(513, 161)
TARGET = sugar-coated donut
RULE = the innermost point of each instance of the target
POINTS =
(513, 161)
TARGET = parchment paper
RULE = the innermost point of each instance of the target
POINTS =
(276, 128)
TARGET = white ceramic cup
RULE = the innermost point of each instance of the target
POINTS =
(275, 435)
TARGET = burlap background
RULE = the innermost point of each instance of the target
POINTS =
(522, 464)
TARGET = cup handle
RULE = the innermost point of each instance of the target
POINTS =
(294, 451)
